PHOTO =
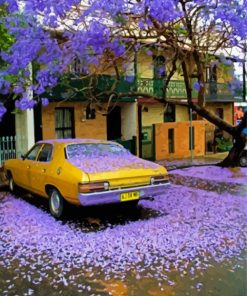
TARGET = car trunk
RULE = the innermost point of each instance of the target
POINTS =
(129, 177)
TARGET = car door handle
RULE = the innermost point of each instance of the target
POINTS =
(43, 170)
(28, 167)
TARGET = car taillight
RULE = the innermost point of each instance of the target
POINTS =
(93, 187)
(159, 179)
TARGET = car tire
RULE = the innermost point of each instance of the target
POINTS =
(243, 161)
(131, 205)
(12, 186)
(57, 204)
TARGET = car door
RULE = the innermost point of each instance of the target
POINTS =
(22, 175)
(40, 168)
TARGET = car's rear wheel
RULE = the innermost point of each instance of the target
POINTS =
(243, 161)
(57, 203)
(131, 205)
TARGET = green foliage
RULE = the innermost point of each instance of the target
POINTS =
(6, 40)
(180, 30)
(223, 144)
(120, 19)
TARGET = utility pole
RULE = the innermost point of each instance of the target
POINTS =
(191, 135)
(244, 77)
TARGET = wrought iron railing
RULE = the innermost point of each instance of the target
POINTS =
(176, 88)
(7, 148)
(221, 92)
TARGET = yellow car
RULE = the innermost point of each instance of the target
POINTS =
(85, 172)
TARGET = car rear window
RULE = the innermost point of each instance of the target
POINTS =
(94, 150)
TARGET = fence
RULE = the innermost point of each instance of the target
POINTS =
(7, 148)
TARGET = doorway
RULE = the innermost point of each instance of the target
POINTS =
(7, 125)
(114, 124)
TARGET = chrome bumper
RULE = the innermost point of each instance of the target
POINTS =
(113, 196)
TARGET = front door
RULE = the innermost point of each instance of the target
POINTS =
(23, 171)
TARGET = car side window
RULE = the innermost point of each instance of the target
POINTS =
(45, 154)
(32, 154)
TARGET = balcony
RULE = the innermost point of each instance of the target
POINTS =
(176, 88)
(215, 92)
(220, 92)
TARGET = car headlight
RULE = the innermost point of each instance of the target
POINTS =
(160, 179)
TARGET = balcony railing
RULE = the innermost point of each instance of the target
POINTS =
(221, 92)
(176, 88)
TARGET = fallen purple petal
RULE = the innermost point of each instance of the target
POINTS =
(192, 229)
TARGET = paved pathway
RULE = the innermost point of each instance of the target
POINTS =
(209, 159)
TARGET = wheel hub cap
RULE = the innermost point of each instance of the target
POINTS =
(11, 185)
(55, 202)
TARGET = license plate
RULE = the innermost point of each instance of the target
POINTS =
(126, 196)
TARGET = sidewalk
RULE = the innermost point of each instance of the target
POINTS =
(172, 164)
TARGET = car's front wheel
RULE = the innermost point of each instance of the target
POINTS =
(57, 203)
(12, 185)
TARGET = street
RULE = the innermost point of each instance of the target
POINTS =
(189, 241)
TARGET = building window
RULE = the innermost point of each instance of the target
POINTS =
(194, 115)
(219, 112)
(159, 67)
(171, 140)
(169, 114)
(211, 73)
(77, 66)
(90, 113)
(211, 79)
(191, 138)
(64, 125)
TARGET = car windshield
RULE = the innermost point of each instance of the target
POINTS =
(88, 150)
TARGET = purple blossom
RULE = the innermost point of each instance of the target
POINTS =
(149, 52)
(197, 85)
(107, 23)
(141, 25)
(44, 102)
(12, 5)
(235, 84)
(24, 104)
(129, 78)
(4, 86)
(18, 89)
(193, 229)
(104, 158)
(225, 61)
(3, 110)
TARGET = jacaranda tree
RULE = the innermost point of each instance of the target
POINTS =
(103, 34)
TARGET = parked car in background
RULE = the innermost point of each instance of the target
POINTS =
(85, 172)
(243, 155)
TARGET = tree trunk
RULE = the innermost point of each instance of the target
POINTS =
(232, 159)
(239, 140)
